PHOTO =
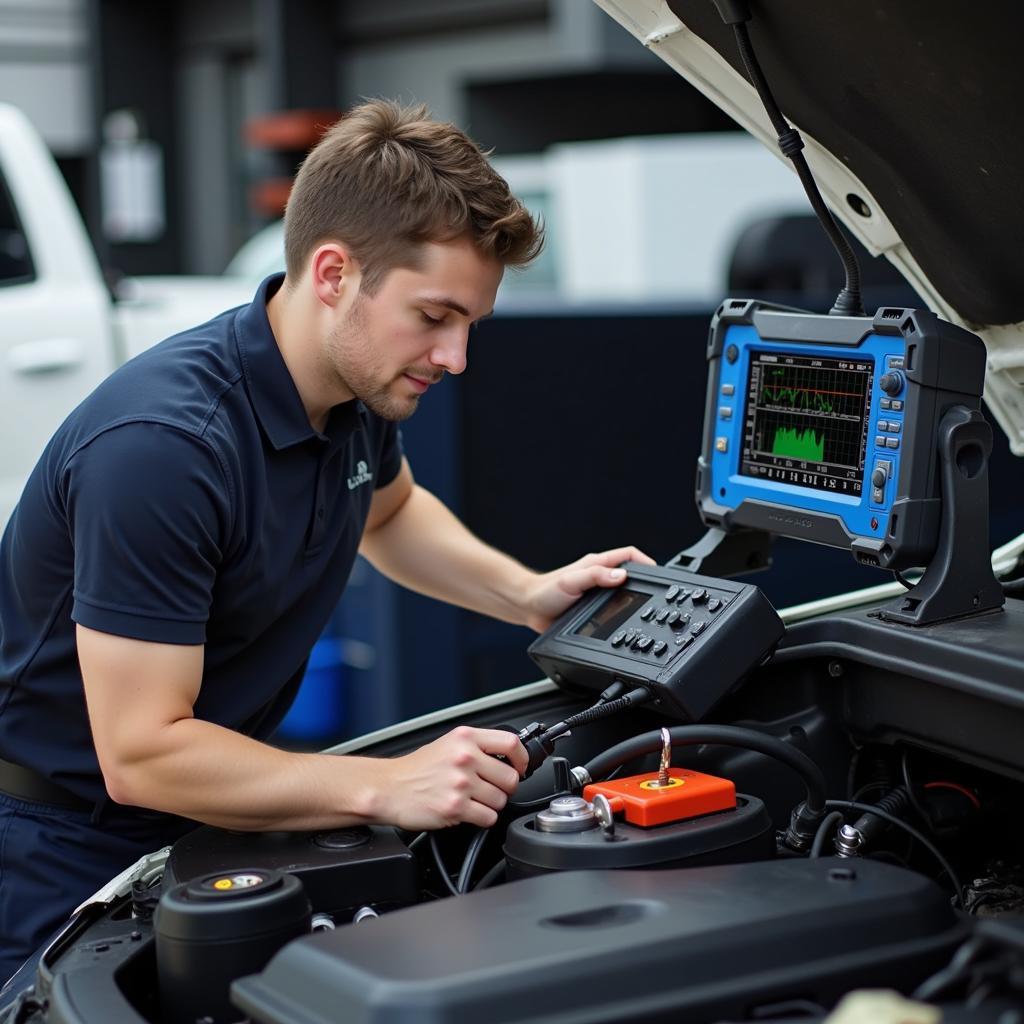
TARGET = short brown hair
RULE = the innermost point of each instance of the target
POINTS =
(387, 178)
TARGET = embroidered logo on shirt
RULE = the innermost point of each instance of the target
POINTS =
(363, 476)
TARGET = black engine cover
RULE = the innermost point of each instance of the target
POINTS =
(698, 944)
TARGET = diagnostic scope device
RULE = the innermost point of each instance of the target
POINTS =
(688, 638)
(825, 428)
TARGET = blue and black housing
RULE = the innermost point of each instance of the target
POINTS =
(824, 428)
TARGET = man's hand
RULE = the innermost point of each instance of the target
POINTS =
(550, 594)
(457, 778)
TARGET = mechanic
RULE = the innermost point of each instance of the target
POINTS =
(189, 529)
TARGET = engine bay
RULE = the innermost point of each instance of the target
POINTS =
(911, 878)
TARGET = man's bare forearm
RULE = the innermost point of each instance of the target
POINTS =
(211, 774)
(425, 547)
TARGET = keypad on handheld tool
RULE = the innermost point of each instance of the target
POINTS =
(668, 628)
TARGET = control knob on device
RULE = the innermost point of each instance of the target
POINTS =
(892, 382)
(878, 477)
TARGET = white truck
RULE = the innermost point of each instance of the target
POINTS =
(63, 332)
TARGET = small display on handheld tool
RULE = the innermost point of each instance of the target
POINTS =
(824, 428)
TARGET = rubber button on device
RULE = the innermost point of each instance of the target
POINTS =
(670, 594)
(714, 604)
(700, 594)
(894, 426)
(892, 442)
(619, 639)
(885, 403)
(880, 442)
(647, 612)
(673, 618)
(660, 648)
(725, 412)
(684, 641)
(683, 595)
(728, 389)
(883, 425)
(897, 404)
(662, 615)
(698, 628)
(878, 495)
(644, 643)
(631, 635)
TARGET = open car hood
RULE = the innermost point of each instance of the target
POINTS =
(912, 121)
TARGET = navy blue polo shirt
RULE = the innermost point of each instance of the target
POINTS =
(187, 500)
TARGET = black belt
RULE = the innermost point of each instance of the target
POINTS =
(25, 784)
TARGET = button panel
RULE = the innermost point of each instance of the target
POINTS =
(880, 481)
(669, 622)
(689, 660)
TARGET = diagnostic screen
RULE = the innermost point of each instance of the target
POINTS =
(807, 420)
(609, 616)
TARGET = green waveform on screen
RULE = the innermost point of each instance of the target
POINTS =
(798, 398)
(804, 445)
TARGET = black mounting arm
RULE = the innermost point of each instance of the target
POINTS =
(959, 580)
(723, 554)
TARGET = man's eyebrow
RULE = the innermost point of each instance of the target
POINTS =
(441, 300)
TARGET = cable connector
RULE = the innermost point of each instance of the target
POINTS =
(635, 697)
(613, 692)
(803, 826)
(848, 303)
(790, 142)
(540, 740)
(539, 745)
(848, 842)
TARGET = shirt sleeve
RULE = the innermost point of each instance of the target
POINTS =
(390, 458)
(148, 509)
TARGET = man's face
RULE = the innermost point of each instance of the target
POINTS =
(391, 346)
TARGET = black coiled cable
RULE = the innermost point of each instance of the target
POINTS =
(726, 735)
(848, 302)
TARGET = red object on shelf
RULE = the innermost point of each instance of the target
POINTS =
(289, 129)
(268, 197)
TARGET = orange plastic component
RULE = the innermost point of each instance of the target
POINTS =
(689, 795)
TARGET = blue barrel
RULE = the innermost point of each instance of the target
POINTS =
(318, 714)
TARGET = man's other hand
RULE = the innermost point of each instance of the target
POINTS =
(550, 594)
(457, 778)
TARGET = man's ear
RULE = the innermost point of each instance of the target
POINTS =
(334, 273)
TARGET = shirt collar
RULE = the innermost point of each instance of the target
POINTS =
(272, 391)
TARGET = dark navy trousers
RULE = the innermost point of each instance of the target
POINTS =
(51, 860)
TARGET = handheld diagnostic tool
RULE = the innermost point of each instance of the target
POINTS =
(825, 428)
(688, 638)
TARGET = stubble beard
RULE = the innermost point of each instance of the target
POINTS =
(345, 345)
